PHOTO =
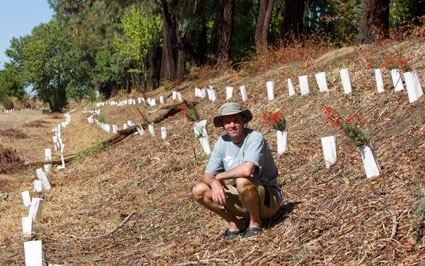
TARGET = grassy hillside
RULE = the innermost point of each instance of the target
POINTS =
(329, 216)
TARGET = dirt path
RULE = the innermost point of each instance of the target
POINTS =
(16, 118)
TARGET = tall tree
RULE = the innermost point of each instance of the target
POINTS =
(374, 24)
(172, 66)
(263, 24)
(221, 37)
(46, 62)
(292, 24)
(142, 31)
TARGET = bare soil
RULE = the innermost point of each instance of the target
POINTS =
(17, 118)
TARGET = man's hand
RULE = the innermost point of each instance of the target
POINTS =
(217, 191)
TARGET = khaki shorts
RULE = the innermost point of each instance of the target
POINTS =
(269, 202)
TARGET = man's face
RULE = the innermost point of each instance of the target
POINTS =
(234, 126)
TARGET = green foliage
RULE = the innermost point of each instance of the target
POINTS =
(402, 11)
(44, 58)
(7, 102)
(96, 148)
(141, 32)
(11, 83)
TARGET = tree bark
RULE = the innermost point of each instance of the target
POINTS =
(221, 36)
(169, 57)
(263, 24)
(374, 24)
(292, 24)
(155, 67)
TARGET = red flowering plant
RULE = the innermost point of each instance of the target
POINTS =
(353, 126)
(189, 111)
(275, 120)
(394, 60)
(397, 61)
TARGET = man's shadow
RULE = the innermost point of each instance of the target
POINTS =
(281, 214)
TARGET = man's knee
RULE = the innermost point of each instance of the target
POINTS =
(244, 185)
(199, 190)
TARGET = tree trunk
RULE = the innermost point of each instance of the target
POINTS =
(170, 55)
(221, 36)
(263, 24)
(374, 23)
(292, 24)
(155, 67)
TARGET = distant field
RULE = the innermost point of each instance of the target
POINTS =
(8, 120)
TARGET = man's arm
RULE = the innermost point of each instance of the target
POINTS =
(243, 170)
(217, 182)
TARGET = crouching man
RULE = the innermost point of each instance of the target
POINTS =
(240, 177)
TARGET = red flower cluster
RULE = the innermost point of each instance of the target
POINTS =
(190, 112)
(395, 60)
(352, 126)
(337, 121)
(275, 120)
(392, 61)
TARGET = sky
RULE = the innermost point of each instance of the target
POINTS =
(18, 18)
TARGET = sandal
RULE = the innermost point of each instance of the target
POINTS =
(230, 235)
(252, 233)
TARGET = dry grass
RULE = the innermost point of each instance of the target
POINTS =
(329, 216)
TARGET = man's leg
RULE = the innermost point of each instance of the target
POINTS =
(248, 195)
(203, 195)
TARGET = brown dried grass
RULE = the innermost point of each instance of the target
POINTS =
(334, 216)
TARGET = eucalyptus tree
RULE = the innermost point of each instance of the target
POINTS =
(374, 24)
(142, 31)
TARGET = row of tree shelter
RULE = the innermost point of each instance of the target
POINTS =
(33, 249)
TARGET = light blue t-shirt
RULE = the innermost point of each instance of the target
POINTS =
(227, 155)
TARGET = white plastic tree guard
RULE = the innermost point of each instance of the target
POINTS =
(44, 181)
(179, 96)
(304, 85)
(290, 88)
(413, 86)
(161, 99)
(26, 226)
(37, 186)
(397, 81)
(47, 168)
(379, 81)
(114, 129)
(36, 208)
(369, 162)
(48, 155)
(229, 92)
(212, 94)
(63, 163)
(321, 81)
(243, 93)
(329, 150)
(202, 93)
(174, 95)
(202, 134)
(33, 253)
(163, 132)
(151, 129)
(346, 82)
(270, 90)
(282, 137)
(140, 130)
(26, 198)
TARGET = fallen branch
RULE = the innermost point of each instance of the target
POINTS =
(122, 134)
(113, 231)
